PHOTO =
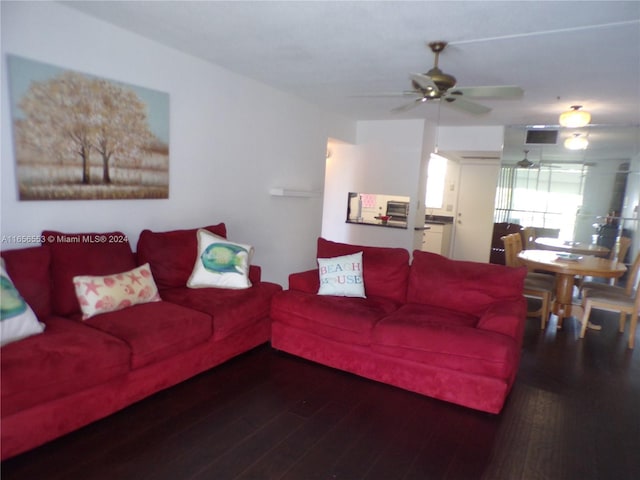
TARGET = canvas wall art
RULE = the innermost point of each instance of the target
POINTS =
(78, 136)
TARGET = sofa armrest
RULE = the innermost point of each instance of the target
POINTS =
(308, 281)
(507, 318)
(255, 274)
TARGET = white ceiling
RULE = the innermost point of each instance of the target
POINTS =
(331, 53)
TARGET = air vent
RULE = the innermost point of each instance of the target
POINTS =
(541, 137)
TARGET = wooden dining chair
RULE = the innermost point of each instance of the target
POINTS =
(625, 301)
(623, 247)
(529, 234)
(546, 232)
(497, 247)
(619, 254)
(625, 243)
(536, 285)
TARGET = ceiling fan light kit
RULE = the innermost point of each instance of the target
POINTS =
(576, 142)
(575, 117)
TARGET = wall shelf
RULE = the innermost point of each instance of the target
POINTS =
(290, 192)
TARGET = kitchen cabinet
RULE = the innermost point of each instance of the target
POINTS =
(436, 238)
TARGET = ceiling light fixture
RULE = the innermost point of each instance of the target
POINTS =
(575, 118)
(576, 142)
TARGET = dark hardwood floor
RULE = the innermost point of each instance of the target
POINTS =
(574, 413)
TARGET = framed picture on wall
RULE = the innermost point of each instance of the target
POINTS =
(82, 137)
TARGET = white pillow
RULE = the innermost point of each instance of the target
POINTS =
(17, 320)
(108, 293)
(342, 276)
(220, 263)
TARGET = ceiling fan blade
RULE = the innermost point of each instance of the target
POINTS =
(502, 91)
(415, 93)
(406, 93)
(424, 81)
(459, 103)
(408, 106)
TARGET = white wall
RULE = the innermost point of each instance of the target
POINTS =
(232, 139)
(471, 139)
(632, 204)
(598, 191)
(386, 160)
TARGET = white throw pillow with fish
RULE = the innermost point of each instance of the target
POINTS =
(220, 263)
(17, 320)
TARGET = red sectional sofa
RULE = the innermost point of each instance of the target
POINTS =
(448, 329)
(76, 371)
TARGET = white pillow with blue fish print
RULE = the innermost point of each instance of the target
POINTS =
(17, 320)
(220, 263)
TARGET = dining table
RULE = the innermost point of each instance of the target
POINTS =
(566, 266)
(579, 248)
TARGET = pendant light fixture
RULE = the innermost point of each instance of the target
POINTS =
(575, 118)
(576, 142)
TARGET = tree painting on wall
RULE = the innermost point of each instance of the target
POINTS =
(78, 136)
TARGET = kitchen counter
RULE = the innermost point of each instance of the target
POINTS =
(378, 223)
(437, 220)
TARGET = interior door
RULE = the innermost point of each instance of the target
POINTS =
(474, 219)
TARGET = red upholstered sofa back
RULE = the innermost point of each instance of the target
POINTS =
(469, 287)
(172, 254)
(385, 269)
(83, 254)
(28, 269)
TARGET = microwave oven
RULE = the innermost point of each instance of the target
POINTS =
(398, 211)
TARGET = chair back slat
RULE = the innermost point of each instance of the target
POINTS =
(623, 246)
(512, 247)
(632, 279)
(529, 234)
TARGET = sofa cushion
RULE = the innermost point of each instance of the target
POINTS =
(230, 309)
(155, 331)
(29, 271)
(428, 314)
(469, 287)
(385, 269)
(341, 276)
(343, 319)
(108, 293)
(68, 357)
(83, 254)
(172, 254)
(220, 263)
(435, 339)
(17, 320)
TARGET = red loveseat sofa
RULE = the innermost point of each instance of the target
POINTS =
(76, 371)
(447, 329)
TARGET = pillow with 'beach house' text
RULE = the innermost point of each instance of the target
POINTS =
(342, 276)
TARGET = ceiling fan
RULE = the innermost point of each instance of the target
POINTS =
(437, 85)
(525, 162)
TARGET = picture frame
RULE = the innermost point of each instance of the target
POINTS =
(82, 137)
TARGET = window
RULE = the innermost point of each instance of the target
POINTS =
(549, 196)
(436, 177)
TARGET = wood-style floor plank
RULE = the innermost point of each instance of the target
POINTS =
(574, 413)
